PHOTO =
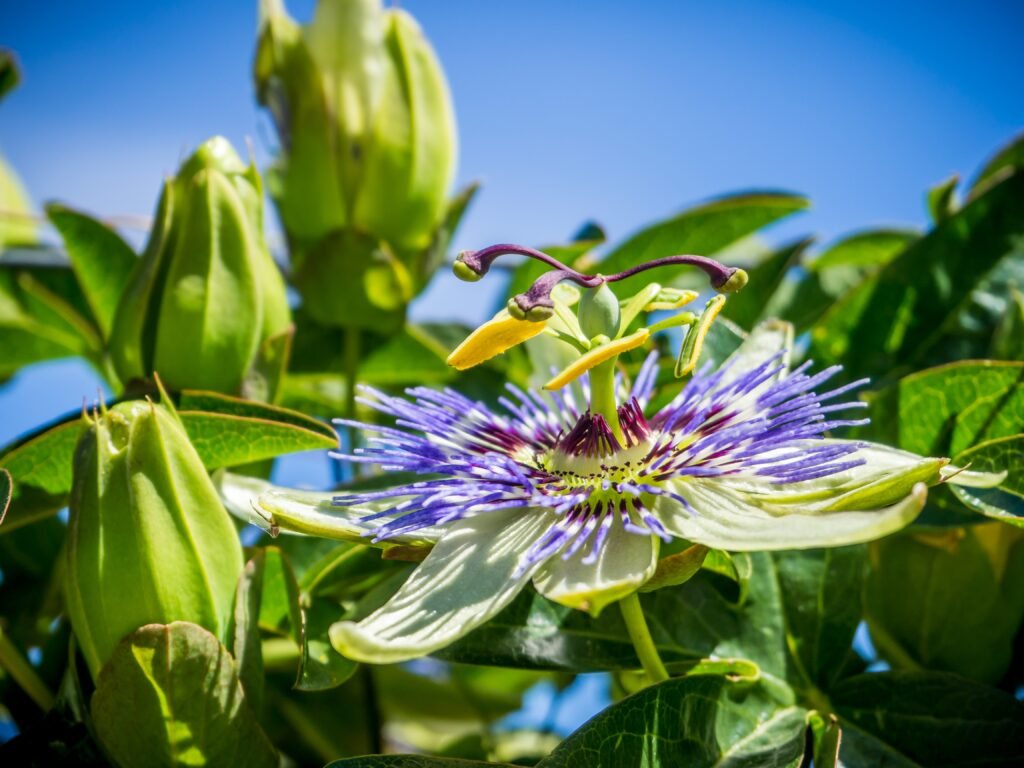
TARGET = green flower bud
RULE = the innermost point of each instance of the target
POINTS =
(148, 538)
(365, 120)
(206, 292)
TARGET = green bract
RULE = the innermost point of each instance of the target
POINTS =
(206, 292)
(148, 539)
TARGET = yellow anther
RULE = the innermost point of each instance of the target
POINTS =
(597, 356)
(671, 298)
(498, 334)
(689, 354)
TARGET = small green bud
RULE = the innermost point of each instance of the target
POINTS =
(148, 538)
(599, 312)
(206, 291)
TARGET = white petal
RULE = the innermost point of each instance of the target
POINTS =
(468, 577)
(970, 479)
(724, 518)
(625, 562)
(762, 344)
(314, 513)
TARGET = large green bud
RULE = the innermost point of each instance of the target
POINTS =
(148, 539)
(365, 120)
(206, 292)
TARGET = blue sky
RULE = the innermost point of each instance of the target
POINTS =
(623, 112)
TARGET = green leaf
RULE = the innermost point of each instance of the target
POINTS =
(263, 380)
(434, 256)
(10, 76)
(321, 667)
(228, 431)
(948, 601)
(897, 317)
(748, 306)
(412, 356)
(410, 761)
(691, 721)
(1009, 159)
(803, 299)
(246, 646)
(927, 719)
(942, 199)
(40, 466)
(170, 696)
(946, 409)
(827, 736)
(42, 316)
(102, 261)
(280, 612)
(822, 591)
(704, 229)
(1006, 501)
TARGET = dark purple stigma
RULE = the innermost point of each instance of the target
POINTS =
(592, 437)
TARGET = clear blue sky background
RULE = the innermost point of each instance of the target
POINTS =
(619, 111)
(624, 112)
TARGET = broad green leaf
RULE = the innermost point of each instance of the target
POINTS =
(803, 298)
(896, 317)
(748, 306)
(691, 721)
(102, 261)
(41, 316)
(948, 601)
(412, 356)
(320, 666)
(909, 719)
(246, 646)
(170, 696)
(1008, 339)
(411, 761)
(942, 199)
(1009, 159)
(228, 431)
(827, 736)
(946, 409)
(822, 590)
(1005, 454)
(10, 75)
(280, 612)
(40, 466)
(704, 229)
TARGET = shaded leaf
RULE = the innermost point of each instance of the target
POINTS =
(895, 317)
(927, 719)
(410, 761)
(949, 601)
(690, 721)
(101, 260)
(1009, 159)
(822, 591)
(246, 645)
(169, 696)
(411, 356)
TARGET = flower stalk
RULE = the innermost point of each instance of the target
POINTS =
(643, 643)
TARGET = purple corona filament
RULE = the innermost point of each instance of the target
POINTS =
(541, 451)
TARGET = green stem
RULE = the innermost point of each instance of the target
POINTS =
(646, 651)
(24, 675)
(602, 396)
